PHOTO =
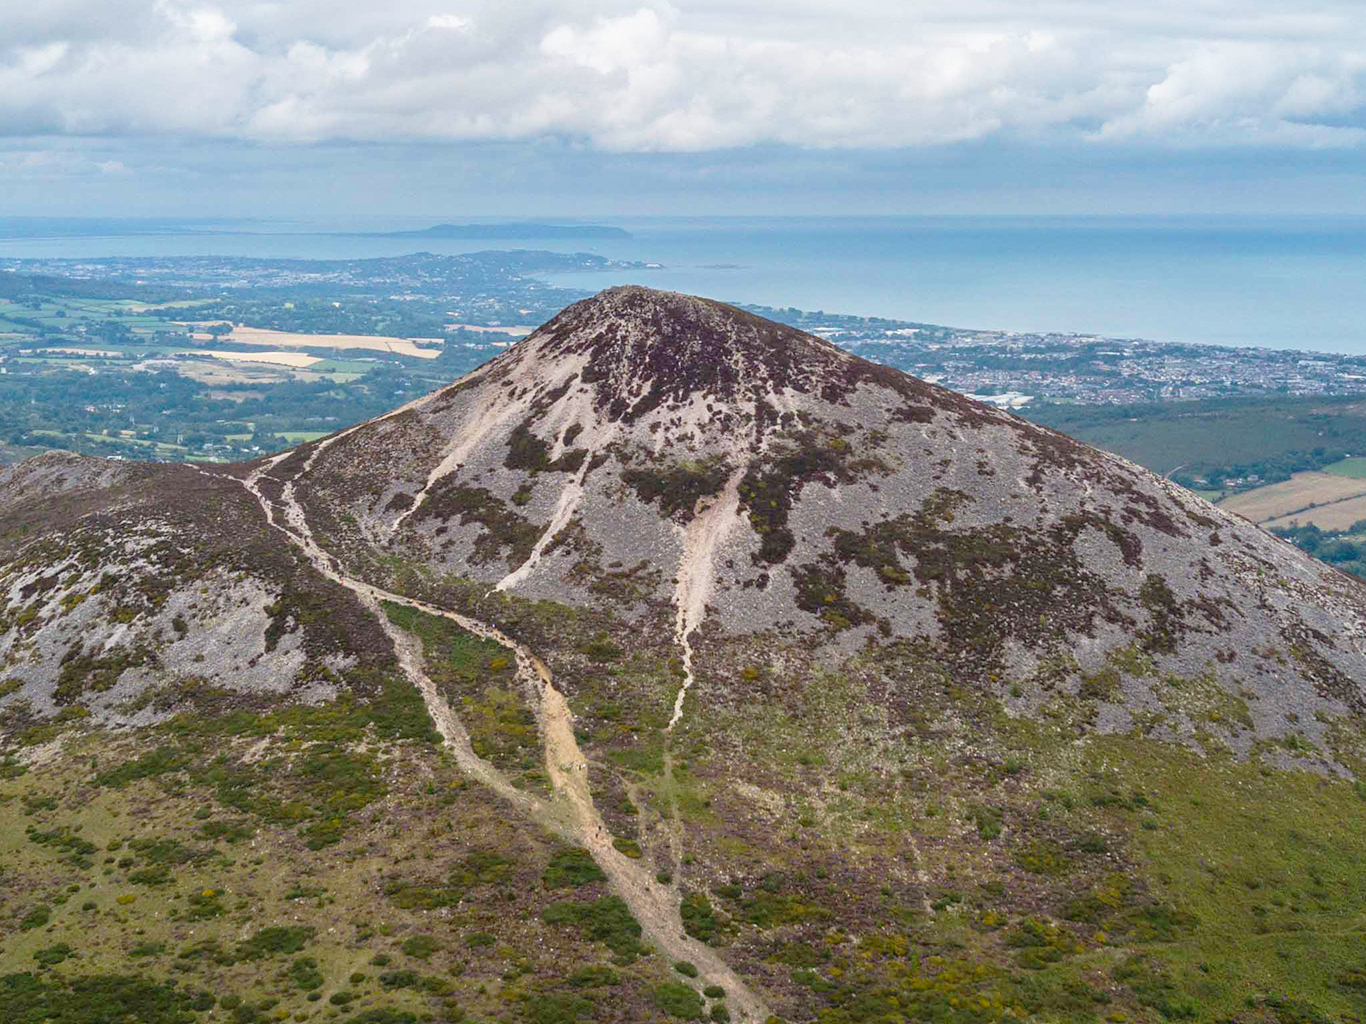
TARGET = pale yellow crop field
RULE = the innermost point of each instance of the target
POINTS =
(1277, 501)
(514, 332)
(285, 339)
(295, 359)
(1338, 516)
(102, 353)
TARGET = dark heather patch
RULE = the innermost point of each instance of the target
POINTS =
(504, 529)
(1168, 617)
(1212, 608)
(529, 453)
(1058, 452)
(678, 488)
(400, 502)
(989, 582)
(768, 491)
(1329, 681)
(1130, 546)
(913, 414)
(821, 591)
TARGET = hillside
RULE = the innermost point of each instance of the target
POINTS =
(674, 664)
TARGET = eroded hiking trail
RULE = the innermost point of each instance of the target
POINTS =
(570, 811)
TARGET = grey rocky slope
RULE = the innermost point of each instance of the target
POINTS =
(670, 458)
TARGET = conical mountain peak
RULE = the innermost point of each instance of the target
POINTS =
(641, 349)
(659, 457)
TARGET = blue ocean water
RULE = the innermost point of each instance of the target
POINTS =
(1277, 282)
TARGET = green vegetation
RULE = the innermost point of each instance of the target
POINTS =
(1345, 549)
(420, 947)
(1354, 468)
(25, 999)
(681, 1001)
(1216, 440)
(572, 868)
(76, 350)
(607, 920)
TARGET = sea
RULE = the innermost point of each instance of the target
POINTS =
(1263, 281)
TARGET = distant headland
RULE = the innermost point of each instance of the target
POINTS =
(517, 230)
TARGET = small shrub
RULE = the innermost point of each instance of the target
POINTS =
(52, 955)
(594, 977)
(681, 1001)
(571, 868)
(607, 920)
(305, 974)
(420, 946)
(270, 941)
(1043, 857)
(699, 920)
(686, 969)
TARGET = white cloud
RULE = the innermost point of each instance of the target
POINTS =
(450, 22)
(647, 75)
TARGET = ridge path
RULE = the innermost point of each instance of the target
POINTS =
(570, 812)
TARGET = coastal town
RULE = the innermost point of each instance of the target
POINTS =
(1012, 370)
(223, 357)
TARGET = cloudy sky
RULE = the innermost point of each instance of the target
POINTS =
(591, 107)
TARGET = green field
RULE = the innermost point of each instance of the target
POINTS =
(1353, 467)
(163, 448)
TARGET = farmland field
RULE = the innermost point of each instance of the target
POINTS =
(1341, 515)
(284, 339)
(1354, 468)
(294, 359)
(1295, 496)
(1239, 435)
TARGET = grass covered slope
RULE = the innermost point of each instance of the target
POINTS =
(960, 865)
(161, 889)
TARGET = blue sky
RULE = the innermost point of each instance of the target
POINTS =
(595, 107)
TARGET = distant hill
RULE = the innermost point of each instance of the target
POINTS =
(505, 232)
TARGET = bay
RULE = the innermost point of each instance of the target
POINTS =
(1273, 282)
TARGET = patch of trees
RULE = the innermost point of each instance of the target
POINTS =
(1271, 470)
(1345, 549)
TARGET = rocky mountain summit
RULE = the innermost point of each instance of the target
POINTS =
(760, 679)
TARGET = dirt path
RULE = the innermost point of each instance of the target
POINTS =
(570, 812)
(696, 571)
